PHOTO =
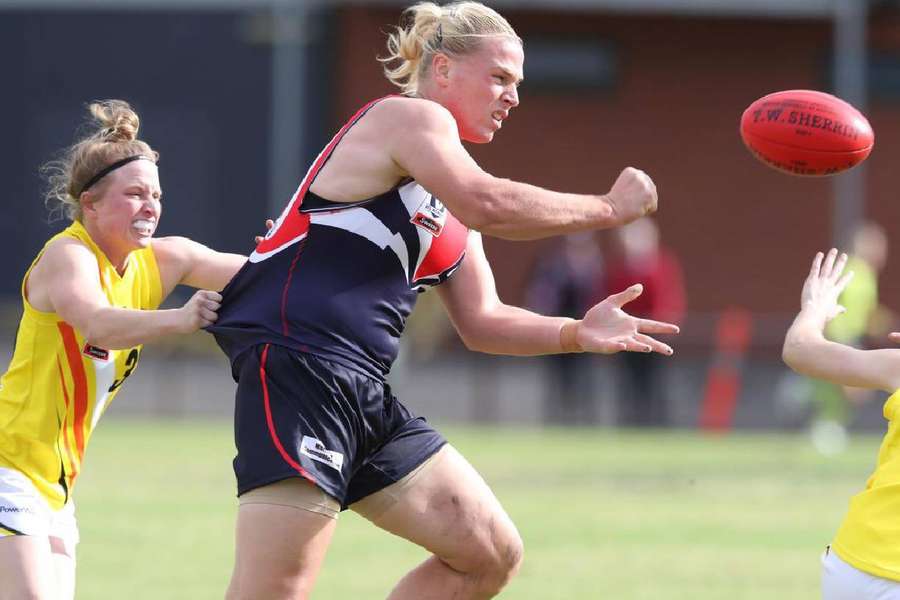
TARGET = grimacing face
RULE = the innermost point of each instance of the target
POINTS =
(483, 87)
(125, 210)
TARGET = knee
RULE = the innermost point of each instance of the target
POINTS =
(496, 560)
(507, 561)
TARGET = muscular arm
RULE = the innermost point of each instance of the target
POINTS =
(67, 280)
(424, 142)
(485, 324)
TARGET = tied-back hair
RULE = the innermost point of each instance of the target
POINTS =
(112, 136)
(426, 29)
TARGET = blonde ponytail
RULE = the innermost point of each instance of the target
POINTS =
(426, 29)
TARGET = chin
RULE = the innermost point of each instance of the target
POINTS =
(484, 137)
(144, 242)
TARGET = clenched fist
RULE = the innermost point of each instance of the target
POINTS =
(632, 196)
(200, 311)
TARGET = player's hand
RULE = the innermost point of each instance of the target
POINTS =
(894, 337)
(200, 311)
(632, 196)
(607, 329)
(823, 286)
(269, 225)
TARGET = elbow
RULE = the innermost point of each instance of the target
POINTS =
(472, 342)
(96, 337)
(476, 339)
(96, 334)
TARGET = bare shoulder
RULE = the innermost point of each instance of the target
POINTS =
(65, 262)
(65, 252)
(404, 114)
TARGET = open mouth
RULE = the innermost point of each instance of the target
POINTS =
(144, 226)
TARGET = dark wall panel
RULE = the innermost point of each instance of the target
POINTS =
(201, 89)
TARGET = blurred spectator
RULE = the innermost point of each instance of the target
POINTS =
(637, 257)
(563, 284)
(864, 320)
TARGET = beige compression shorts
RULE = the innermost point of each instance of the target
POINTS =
(302, 494)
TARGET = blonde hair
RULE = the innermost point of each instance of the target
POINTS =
(426, 29)
(115, 128)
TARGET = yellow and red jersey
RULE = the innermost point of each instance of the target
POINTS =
(869, 538)
(58, 385)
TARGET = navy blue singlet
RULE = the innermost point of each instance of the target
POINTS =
(339, 280)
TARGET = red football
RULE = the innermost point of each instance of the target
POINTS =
(803, 132)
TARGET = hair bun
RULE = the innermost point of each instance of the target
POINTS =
(117, 119)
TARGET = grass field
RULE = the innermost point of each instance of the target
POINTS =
(604, 514)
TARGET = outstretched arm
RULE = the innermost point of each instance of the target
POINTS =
(183, 261)
(423, 141)
(486, 324)
(808, 352)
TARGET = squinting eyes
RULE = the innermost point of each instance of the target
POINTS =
(504, 81)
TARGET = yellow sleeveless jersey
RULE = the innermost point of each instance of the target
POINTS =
(57, 385)
(869, 537)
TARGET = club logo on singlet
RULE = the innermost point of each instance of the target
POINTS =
(316, 450)
(430, 216)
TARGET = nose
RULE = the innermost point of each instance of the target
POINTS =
(511, 96)
(151, 207)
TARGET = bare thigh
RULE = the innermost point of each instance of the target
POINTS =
(279, 551)
(63, 558)
(450, 511)
(26, 568)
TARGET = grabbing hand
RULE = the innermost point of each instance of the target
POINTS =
(608, 329)
(269, 225)
(632, 196)
(200, 311)
(824, 285)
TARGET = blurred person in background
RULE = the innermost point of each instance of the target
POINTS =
(637, 256)
(391, 207)
(90, 300)
(865, 321)
(563, 284)
(863, 560)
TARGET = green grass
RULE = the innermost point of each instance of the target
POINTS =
(604, 514)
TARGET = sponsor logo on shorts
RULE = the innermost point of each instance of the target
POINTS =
(316, 450)
(15, 509)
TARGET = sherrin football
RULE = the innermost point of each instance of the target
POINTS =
(804, 132)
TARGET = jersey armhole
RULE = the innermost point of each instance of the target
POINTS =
(155, 279)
